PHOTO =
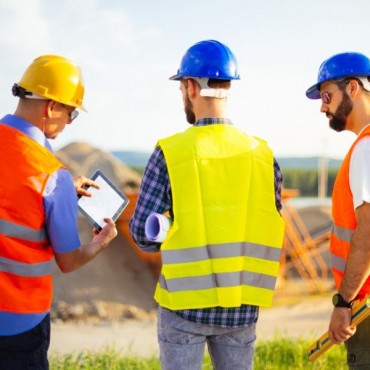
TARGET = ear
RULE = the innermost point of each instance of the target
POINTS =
(49, 108)
(193, 88)
(354, 88)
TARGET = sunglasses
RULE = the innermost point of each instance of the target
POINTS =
(73, 114)
(326, 96)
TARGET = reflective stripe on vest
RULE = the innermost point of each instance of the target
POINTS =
(337, 262)
(221, 280)
(14, 230)
(221, 251)
(342, 233)
(25, 269)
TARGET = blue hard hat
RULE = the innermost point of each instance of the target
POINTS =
(340, 66)
(210, 59)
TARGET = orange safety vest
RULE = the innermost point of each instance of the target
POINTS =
(25, 252)
(344, 221)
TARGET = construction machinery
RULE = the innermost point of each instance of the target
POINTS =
(305, 250)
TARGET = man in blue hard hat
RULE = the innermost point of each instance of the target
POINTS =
(344, 88)
(222, 190)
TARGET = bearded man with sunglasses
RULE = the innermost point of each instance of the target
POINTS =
(38, 209)
(344, 88)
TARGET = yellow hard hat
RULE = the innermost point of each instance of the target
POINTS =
(56, 78)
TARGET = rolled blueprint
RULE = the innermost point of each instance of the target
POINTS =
(156, 227)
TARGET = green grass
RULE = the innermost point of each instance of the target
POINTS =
(109, 359)
(291, 354)
(279, 353)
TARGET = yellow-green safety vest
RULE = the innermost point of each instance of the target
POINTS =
(223, 247)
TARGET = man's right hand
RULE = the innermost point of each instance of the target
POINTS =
(340, 328)
(71, 261)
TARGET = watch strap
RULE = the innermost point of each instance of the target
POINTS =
(339, 301)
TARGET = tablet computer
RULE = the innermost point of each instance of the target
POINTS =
(108, 201)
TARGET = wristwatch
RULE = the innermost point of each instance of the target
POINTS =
(338, 301)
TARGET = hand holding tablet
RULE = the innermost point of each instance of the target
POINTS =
(106, 202)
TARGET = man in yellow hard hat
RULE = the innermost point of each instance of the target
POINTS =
(38, 211)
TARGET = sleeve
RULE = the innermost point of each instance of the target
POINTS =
(359, 173)
(60, 204)
(154, 196)
(278, 181)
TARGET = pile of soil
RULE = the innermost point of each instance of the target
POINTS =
(117, 284)
(84, 159)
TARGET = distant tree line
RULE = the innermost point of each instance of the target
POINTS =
(306, 181)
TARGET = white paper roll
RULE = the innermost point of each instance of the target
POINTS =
(156, 227)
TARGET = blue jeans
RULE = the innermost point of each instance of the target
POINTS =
(28, 350)
(182, 343)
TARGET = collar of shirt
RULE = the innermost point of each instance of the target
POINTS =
(212, 121)
(28, 129)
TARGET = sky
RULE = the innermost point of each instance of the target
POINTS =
(127, 50)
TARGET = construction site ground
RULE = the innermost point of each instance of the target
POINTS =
(304, 317)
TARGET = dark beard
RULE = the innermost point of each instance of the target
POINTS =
(338, 120)
(190, 116)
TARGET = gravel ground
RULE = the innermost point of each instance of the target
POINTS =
(306, 319)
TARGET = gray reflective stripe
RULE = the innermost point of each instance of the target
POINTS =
(25, 269)
(221, 280)
(342, 233)
(221, 251)
(338, 263)
(22, 232)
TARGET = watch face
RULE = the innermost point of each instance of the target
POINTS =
(338, 301)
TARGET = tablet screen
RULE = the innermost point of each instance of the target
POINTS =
(108, 201)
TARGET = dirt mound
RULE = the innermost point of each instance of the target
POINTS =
(83, 159)
(117, 274)
(117, 283)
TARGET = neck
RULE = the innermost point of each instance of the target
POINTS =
(359, 118)
(30, 111)
(210, 108)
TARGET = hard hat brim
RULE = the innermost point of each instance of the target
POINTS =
(313, 92)
(179, 77)
(82, 107)
(176, 77)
